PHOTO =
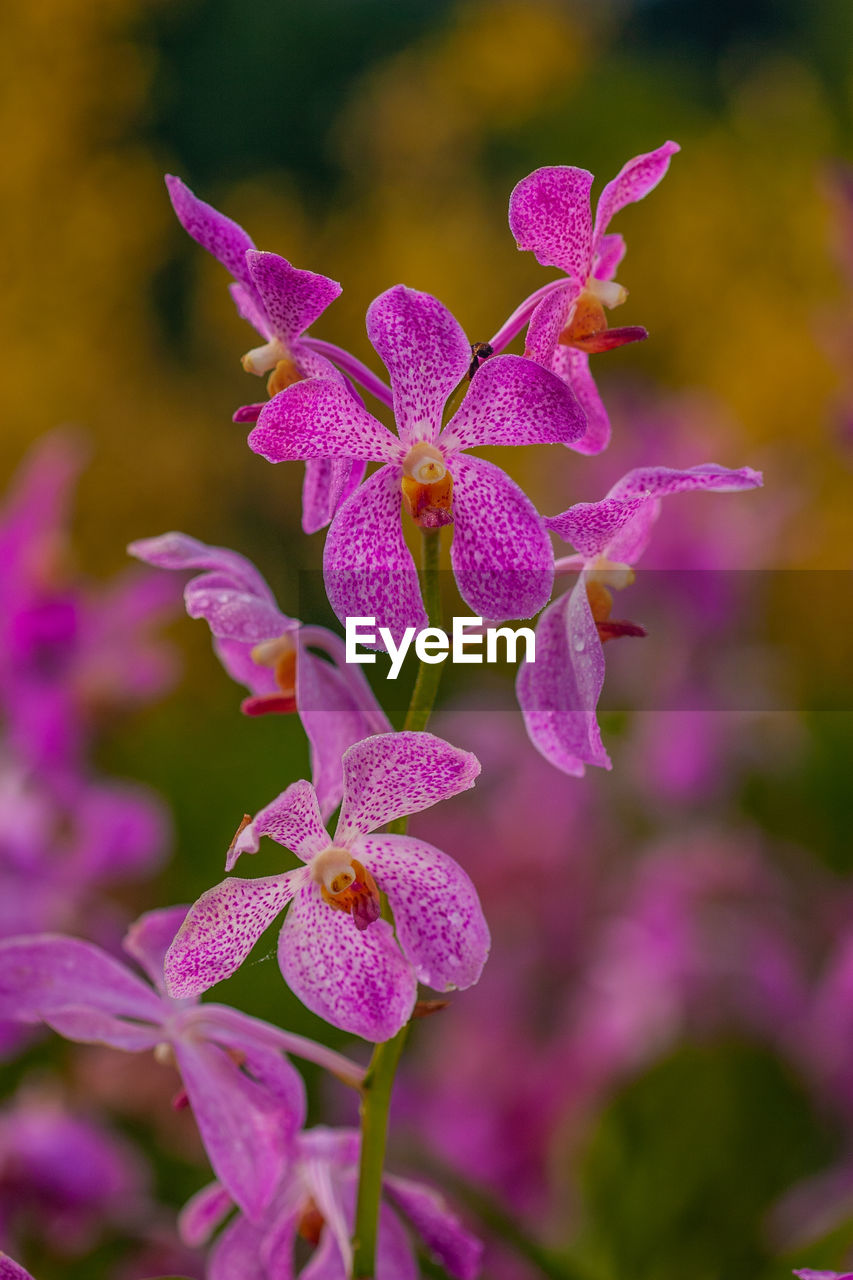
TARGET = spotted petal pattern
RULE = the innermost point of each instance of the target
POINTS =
(501, 553)
(437, 915)
(512, 401)
(424, 350)
(292, 819)
(359, 981)
(219, 235)
(221, 929)
(319, 418)
(392, 775)
(367, 568)
(549, 212)
(292, 298)
(633, 181)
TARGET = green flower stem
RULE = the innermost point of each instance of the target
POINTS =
(376, 1099)
(429, 673)
(379, 1081)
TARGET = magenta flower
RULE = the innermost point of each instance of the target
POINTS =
(501, 554)
(558, 693)
(550, 213)
(314, 1202)
(280, 302)
(248, 1101)
(271, 654)
(67, 649)
(11, 1270)
(335, 953)
(823, 1275)
(66, 1174)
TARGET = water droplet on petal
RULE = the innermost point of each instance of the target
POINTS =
(580, 645)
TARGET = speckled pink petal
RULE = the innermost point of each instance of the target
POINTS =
(149, 938)
(357, 980)
(180, 551)
(558, 693)
(450, 1244)
(333, 720)
(219, 235)
(590, 526)
(501, 552)
(367, 567)
(628, 544)
(633, 181)
(292, 298)
(11, 1270)
(391, 775)
(657, 482)
(250, 309)
(425, 351)
(203, 1213)
(437, 915)
(328, 482)
(292, 819)
(246, 1130)
(808, 1274)
(619, 525)
(45, 973)
(609, 253)
(514, 401)
(547, 322)
(573, 366)
(222, 927)
(549, 213)
(318, 418)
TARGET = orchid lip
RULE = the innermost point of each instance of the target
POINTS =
(333, 870)
(424, 463)
(608, 292)
(261, 360)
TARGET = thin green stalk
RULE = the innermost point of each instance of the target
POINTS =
(379, 1081)
(429, 673)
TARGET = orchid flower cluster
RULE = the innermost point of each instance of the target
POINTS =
(370, 912)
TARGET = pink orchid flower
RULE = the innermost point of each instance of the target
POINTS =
(558, 694)
(271, 654)
(334, 951)
(501, 554)
(11, 1270)
(247, 1099)
(315, 1202)
(280, 301)
(550, 214)
(823, 1275)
